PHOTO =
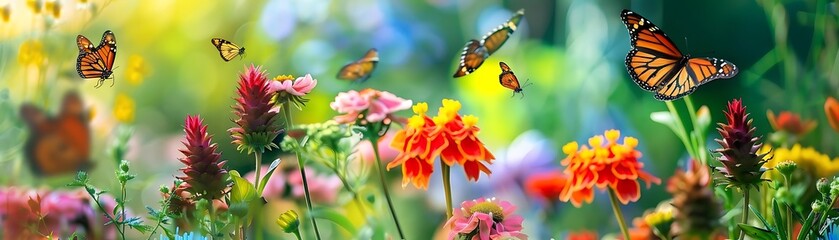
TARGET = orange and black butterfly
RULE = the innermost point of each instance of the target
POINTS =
(58, 144)
(361, 69)
(98, 61)
(656, 65)
(509, 80)
(475, 52)
(227, 50)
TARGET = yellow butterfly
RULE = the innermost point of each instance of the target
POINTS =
(228, 50)
(361, 69)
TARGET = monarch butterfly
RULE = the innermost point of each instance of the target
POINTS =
(509, 80)
(58, 144)
(361, 69)
(657, 65)
(475, 52)
(96, 62)
(227, 50)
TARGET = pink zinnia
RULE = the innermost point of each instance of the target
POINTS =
(298, 87)
(369, 105)
(485, 219)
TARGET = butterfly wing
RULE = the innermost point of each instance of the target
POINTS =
(508, 79)
(361, 69)
(90, 64)
(696, 72)
(498, 36)
(226, 49)
(61, 144)
(654, 59)
(472, 57)
(107, 51)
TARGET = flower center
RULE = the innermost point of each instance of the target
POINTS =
(490, 208)
(282, 78)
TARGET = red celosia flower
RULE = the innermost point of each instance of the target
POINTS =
(256, 128)
(546, 186)
(447, 135)
(738, 153)
(790, 122)
(604, 165)
(204, 173)
(831, 108)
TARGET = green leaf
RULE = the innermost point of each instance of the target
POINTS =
(242, 191)
(756, 232)
(760, 217)
(335, 217)
(268, 174)
(665, 118)
(780, 221)
(805, 227)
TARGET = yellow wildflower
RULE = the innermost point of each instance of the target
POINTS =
(137, 69)
(124, 108)
(807, 159)
(31, 52)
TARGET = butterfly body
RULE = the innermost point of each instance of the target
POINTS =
(476, 52)
(227, 50)
(96, 61)
(655, 63)
(361, 69)
(58, 144)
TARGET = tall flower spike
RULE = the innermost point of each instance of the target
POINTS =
(742, 166)
(256, 116)
(204, 173)
(696, 212)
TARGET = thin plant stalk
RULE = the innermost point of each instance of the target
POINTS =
(300, 163)
(374, 140)
(122, 207)
(745, 218)
(212, 212)
(447, 186)
(258, 165)
(700, 136)
(618, 214)
(101, 208)
(347, 186)
(682, 134)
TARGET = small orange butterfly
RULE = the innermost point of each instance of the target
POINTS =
(509, 80)
(361, 69)
(58, 144)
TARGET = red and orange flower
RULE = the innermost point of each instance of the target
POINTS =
(448, 135)
(605, 166)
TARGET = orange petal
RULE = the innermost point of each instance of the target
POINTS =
(628, 191)
(831, 108)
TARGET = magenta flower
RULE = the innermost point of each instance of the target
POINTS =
(204, 172)
(29, 213)
(256, 114)
(298, 87)
(369, 106)
(485, 219)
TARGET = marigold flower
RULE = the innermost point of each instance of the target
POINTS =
(367, 106)
(831, 109)
(124, 108)
(604, 165)
(806, 158)
(204, 172)
(256, 124)
(483, 219)
(546, 186)
(790, 122)
(447, 135)
(738, 153)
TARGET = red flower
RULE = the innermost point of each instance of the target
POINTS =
(447, 135)
(831, 108)
(738, 148)
(546, 186)
(610, 165)
(204, 173)
(790, 122)
(256, 128)
(582, 235)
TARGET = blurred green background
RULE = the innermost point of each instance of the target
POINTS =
(571, 50)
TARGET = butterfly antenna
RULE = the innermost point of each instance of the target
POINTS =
(527, 83)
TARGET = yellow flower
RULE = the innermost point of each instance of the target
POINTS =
(807, 159)
(35, 5)
(124, 108)
(53, 8)
(6, 12)
(137, 69)
(31, 52)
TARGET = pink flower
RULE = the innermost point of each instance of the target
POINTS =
(387, 153)
(485, 219)
(323, 188)
(299, 87)
(29, 213)
(369, 104)
(275, 186)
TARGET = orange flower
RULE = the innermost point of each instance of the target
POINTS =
(582, 235)
(447, 135)
(790, 122)
(600, 165)
(546, 186)
(831, 108)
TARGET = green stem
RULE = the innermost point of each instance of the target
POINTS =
(700, 136)
(258, 165)
(682, 133)
(297, 234)
(745, 218)
(374, 140)
(447, 186)
(107, 215)
(790, 218)
(618, 214)
(122, 208)
(824, 214)
(300, 163)
(212, 212)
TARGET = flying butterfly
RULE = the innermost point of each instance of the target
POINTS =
(58, 144)
(475, 52)
(657, 65)
(361, 69)
(227, 50)
(509, 80)
(96, 62)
